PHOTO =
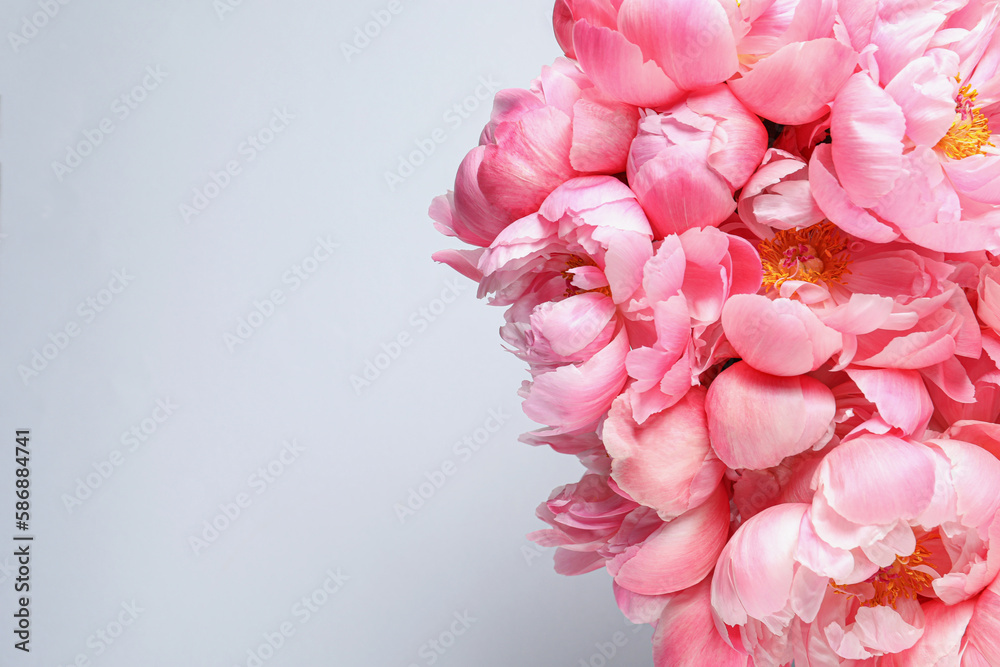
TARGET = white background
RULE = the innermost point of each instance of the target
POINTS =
(162, 337)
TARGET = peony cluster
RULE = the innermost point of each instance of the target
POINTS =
(750, 253)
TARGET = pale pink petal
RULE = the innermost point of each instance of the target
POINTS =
(833, 199)
(925, 90)
(602, 134)
(618, 68)
(573, 397)
(678, 192)
(667, 463)
(943, 637)
(691, 41)
(463, 261)
(755, 570)
(780, 337)
(476, 220)
(976, 476)
(529, 160)
(867, 128)
(787, 87)
(640, 608)
(572, 324)
(686, 635)
(738, 140)
(877, 479)
(902, 32)
(984, 628)
(741, 401)
(900, 396)
(977, 177)
(679, 554)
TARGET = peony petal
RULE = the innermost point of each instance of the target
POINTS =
(741, 406)
(667, 463)
(788, 87)
(618, 68)
(900, 396)
(867, 128)
(873, 479)
(680, 553)
(691, 41)
(780, 337)
(686, 635)
(833, 199)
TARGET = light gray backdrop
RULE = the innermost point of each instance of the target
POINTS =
(200, 247)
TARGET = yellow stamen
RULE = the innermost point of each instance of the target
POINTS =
(575, 262)
(901, 579)
(816, 254)
(970, 131)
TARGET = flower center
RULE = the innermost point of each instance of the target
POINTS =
(904, 578)
(575, 262)
(970, 131)
(815, 254)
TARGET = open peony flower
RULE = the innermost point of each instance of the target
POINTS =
(912, 153)
(894, 526)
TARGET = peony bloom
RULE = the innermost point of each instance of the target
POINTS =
(684, 288)
(780, 58)
(686, 163)
(536, 140)
(566, 270)
(876, 306)
(912, 152)
(896, 530)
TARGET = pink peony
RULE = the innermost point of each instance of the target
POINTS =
(536, 140)
(686, 163)
(895, 529)
(566, 270)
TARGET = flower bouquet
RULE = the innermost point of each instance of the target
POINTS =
(748, 252)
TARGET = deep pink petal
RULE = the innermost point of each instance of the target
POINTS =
(602, 134)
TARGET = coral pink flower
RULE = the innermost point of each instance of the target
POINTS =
(912, 153)
(879, 306)
(686, 163)
(683, 291)
(780, 57)
(742, 408)
(896, 530)
(565, 270)
(536, 140)
(667, 463)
